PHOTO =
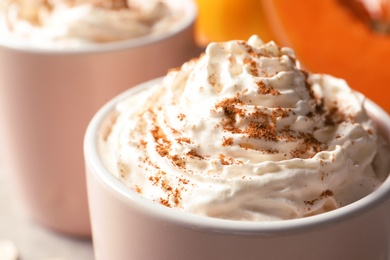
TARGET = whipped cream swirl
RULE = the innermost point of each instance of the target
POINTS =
(244, 133)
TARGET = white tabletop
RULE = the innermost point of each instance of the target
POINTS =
(31, 240)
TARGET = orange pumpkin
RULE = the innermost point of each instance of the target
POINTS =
(223, 20)
(329, 37)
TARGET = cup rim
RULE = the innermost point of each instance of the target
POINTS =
(171, 215)
(187, 21)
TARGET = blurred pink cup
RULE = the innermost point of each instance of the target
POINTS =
(127, 226)
(47, 98)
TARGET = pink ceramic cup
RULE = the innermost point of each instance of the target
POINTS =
(47, 98)
(127, 226)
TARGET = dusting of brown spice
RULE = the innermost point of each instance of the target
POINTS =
(271, 151)
(230, 111)
(227, 141)
(228, 160)
(323, 175)
(184, 181)
(224, 160)
(181, 116)
(154, 179)
(194, 154)
(253, 66)
(165, 202)
(162, 144)
(182, 140)
(138, 189)
(174, 194)
(261, 130)
(266, 90)
(174, 130)
(323, 195)
(178, 161)
(262, 125)
(143, 143)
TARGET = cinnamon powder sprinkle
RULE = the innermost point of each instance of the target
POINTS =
(230, 110)
(271, 151)
(182, 140)
(228, 160)
(154, 179)
(227, 141)
(181, 116)
(194, 154)
(143, 143)
(266, 90)
(263, 125)
(258, 114)
(261, 130)
(178, 161)
(162, 143)
(175, 131)
(323, 195)
(253, 66)
(323, 175)
(165, 186)
(176, 196)
(311, 142)
(184, 181)
(173, 194)
(224, 160)
(165, 202)
(162, 150)
(138, 189)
